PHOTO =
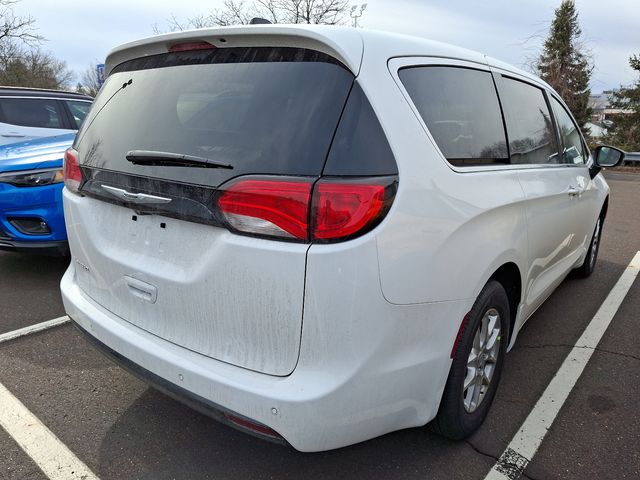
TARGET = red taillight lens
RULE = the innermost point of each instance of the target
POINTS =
(338, 208)
(275, 208)
(72, 172)
(341, 210)
(185, 47)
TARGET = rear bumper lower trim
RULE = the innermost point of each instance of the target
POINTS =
(192, 400)
(44, 248)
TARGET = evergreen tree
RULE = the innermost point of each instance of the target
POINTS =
(563, 63)
(625, 132)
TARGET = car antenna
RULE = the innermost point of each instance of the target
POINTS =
(259, 21)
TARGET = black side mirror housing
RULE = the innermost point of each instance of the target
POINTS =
(606, 156)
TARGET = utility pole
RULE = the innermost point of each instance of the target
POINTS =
(355, 15)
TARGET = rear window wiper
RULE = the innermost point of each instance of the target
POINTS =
(169, 159)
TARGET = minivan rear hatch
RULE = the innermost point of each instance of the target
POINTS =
(165, 134)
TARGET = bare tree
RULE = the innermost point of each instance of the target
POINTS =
(240, 12)
(90, 82)
(15, 27)
(22, 62)
(33, 68)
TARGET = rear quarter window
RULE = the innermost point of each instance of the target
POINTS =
(360, 146)
(460, 108)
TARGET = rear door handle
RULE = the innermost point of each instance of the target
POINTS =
(141, 289)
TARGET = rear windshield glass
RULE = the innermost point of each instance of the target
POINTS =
(262, 110)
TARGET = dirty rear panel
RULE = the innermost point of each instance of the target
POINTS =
(170, 267)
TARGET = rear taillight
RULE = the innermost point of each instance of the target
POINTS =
(295, 209)
(345, 209)
(72, 172)
(273, 208)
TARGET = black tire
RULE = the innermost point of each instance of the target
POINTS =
(589, 264)
(454, 420)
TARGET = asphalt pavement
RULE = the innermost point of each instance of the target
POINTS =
(123, 429)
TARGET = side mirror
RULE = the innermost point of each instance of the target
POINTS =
(606, 156)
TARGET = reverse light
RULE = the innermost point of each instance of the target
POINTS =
(72, 172)
(306, 210)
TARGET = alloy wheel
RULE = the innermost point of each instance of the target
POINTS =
(481, 363)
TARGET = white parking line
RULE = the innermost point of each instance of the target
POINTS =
(527, 440)
(33, 328)
(45, 449)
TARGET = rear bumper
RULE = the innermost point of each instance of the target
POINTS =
(190, 399)
(361, 387)
(43, 203)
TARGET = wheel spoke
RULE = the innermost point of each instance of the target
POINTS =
(483, 332)
(476, 392)
(472, 361)
(487, 374)
(471, 375)
(495, 333)
(493, 355)
(476, 342)
(493, 319)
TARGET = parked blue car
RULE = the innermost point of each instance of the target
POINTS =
(31, 181)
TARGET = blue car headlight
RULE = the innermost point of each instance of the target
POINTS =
(33, 178)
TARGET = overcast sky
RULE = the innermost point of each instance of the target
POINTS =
(81, 32)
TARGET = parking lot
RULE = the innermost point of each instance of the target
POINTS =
(120, 428)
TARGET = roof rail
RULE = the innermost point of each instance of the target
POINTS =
(51, 90)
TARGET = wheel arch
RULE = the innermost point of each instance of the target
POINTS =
(510, 277)
(605, 208)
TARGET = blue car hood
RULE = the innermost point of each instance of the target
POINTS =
(44, 152)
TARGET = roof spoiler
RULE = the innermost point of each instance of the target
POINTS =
(344, 44)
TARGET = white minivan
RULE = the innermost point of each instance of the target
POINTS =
(321, 234)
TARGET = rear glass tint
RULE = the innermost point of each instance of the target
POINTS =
(532, 138)
(360, 146)
(262, 110)
(574, 151)
(461, 110)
